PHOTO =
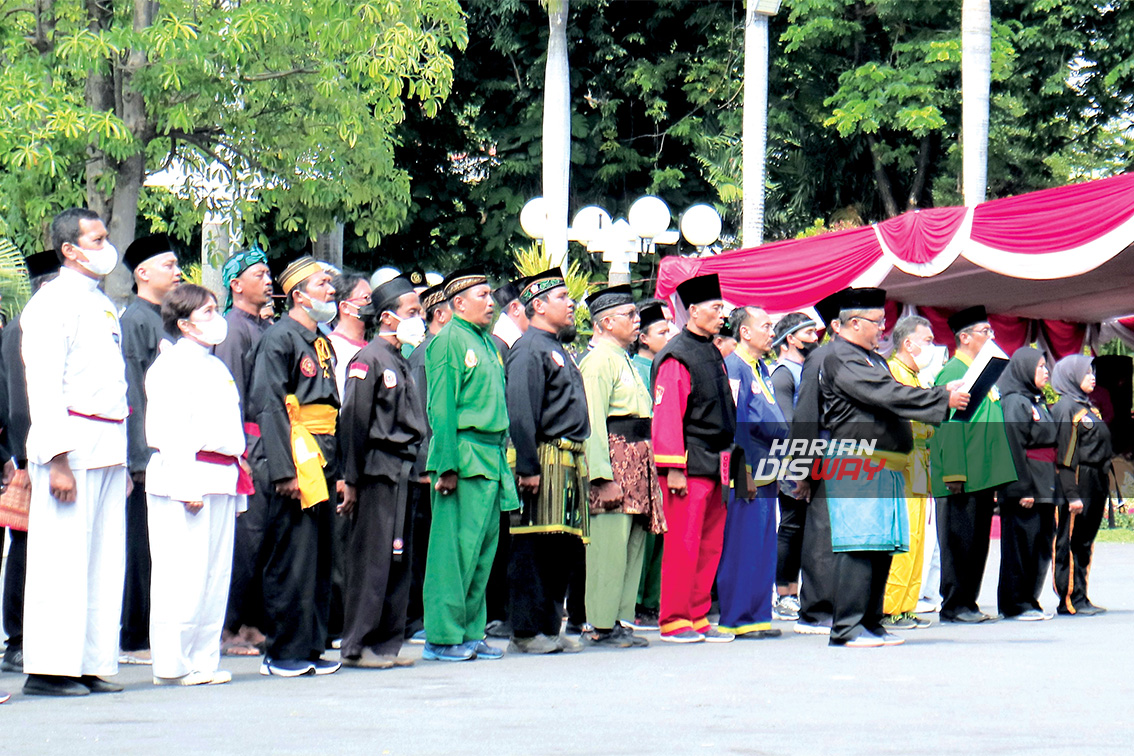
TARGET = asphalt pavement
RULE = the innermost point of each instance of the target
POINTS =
(1057, 687)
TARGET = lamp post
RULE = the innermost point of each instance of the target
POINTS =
(754, 140)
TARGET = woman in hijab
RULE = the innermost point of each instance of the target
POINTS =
(1027, 519)
(1082, 457)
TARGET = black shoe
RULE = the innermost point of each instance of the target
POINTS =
(967, 617)
(96, 684)
(608, 638)
(54, 685)
(498, 629)
(760, 634)
(13, 660)
(1089, 610)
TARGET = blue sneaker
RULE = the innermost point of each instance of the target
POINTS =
(485, 651)
(459, 652)
(326, 667)
(286, 667)
(418, 638)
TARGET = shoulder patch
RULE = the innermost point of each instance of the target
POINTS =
(358, 370)
(307, 366)
(389, 378)
(557, 358)
(470, 359)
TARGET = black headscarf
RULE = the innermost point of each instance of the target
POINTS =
(1020, 375)
(1067, 377)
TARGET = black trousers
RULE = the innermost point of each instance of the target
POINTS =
(1025, 554)
(246, 587)
(135, 632)
(14, 570)
(817, 587)
(422, 520)
(789, 540)
(297, 576)
(539, 572)
(1075, 541)
(860, 588)
(577, 589)
(340, 546)
(497, 596)
(964, 527)
(377, 581)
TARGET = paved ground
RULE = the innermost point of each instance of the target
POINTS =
(1057, 687)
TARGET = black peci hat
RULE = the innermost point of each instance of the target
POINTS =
(541, 283)
(42, 264)
(862, 299)
(967, 318)
(613, 296)
(509, 292)
(699, 289)
(144, 248)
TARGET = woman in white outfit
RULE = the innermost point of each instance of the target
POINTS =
(193, 422)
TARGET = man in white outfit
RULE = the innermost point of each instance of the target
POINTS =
(76, 447)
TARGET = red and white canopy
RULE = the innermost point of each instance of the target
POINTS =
(1061, 254)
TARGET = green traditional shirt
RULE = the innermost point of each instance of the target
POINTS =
(614, 388)
(644, 366)
(974, 452)
(467, 410)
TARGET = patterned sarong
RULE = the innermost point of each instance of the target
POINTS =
(561, 504)
(869, 515)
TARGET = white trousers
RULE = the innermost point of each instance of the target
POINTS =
(75, 574)
(191, 556)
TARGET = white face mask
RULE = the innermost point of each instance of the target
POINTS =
(100, 261)
(924, 356)
(410, 331)
(320, 312)
(211, 332)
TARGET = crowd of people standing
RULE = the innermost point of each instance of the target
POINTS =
(392, 462)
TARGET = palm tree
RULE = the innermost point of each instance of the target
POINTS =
(556, 131)
(976, 79)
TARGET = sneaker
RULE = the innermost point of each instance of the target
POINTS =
(568, 645)
(812, 628)
(326, 666)
(927, 606)
(685, 636)
(5, 696)
(455, 653)
(13, 660)
(607, 638)
(898, 622)
(220, 677)
(498, 629)
(864, 640)
(713, 635)
(920, 623)
(636, 641)
(336, 644)
(646, 619)
(286, 667)
(485, 651)
(135, 657)
(793, 602)
(1030, 615)
(537, 644)
(783, 610)
(1089, 610)
(889, 639)
(418, 638)
(759, 634)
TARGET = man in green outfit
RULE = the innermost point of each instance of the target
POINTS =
(969, 461)
(625, 497)
(472, 482)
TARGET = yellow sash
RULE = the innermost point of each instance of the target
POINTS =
(309, 461)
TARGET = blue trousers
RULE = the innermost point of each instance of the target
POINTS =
(747, 573)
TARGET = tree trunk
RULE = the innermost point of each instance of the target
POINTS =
(976, 81)
(556, 132)
(920, 178)
(885, 190)
(329, 246)
(754, 139)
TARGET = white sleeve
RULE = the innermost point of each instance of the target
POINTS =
(47, 335)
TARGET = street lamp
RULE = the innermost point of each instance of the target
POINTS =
(754, 138)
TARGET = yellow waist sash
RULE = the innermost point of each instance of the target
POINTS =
(892, 460)
(307, 419)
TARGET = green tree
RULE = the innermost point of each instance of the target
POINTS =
(293, 104)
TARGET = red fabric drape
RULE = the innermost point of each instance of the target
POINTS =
(919, 236)
(783, 276)
(1063, 337)
(1053, 220)
(1011, 332)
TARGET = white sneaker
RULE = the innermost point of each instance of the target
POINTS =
(806, 628)
(193, 678)
(926, 606)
